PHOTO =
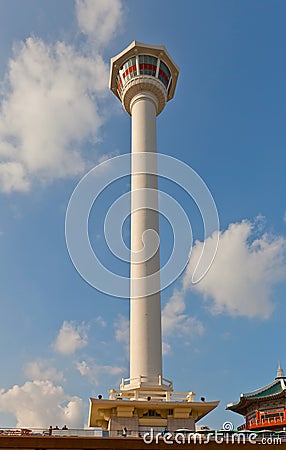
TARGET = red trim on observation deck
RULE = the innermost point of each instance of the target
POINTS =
(164, 76)
(124, 75)
(145, 66)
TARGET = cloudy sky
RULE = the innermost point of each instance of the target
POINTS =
(63, 341)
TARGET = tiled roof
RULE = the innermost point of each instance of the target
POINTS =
(271, 389)
(278, 386)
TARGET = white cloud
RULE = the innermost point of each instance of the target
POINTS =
(176, 322)
(71, 337)
(95, 372)
(166, 348)
(49, 107)
(108, 156)
(246, 268)
(40, 370)
(13, 176)
(51, 101)
(41, 403)
(100, 321)
(99, 19)
(121, 326)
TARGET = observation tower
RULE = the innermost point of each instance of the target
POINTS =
(144, 79)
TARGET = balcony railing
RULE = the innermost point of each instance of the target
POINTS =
(263, 422)
(46, 432)
(127, 383)
(147, 393)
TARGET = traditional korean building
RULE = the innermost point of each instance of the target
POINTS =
(264, 408)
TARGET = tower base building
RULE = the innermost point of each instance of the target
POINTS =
(135, 415)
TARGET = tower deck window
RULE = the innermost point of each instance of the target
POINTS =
(164, 74)
(128, 71)
(151, 413)
(147, 65)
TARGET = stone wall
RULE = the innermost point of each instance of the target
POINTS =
(117, 424)
(174, 424)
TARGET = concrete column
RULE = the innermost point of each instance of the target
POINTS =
(145, 312)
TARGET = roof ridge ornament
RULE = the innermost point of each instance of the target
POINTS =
(280, 372)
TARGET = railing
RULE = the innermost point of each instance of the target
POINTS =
(149, 388)
(15, 432)
(266, 422)
(156, 433)
(152, 381)
(46, 432)
(149, 394)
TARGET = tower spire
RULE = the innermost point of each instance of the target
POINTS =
(280, 372)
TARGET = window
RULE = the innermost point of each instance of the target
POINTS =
(127, 71)
(151, 413)
(147, 65)
(164, 74)
(119, 83)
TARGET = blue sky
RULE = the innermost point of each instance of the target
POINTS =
(61, 340)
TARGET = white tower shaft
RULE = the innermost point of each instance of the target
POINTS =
(144, 78)
(145, 312)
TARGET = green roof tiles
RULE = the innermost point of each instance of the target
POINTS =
(267, 391)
